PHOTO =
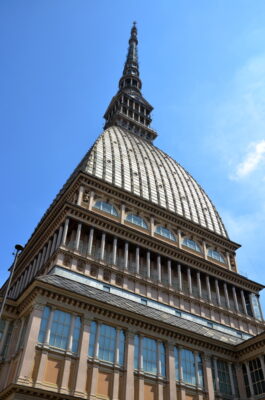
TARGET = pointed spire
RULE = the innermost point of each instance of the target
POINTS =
(131, 66)
(128, 108)
(130, 77)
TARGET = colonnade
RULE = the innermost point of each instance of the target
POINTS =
(232, 295)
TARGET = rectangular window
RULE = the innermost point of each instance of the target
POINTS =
(224, 377)
(107, 339)
(60, 329)
(149, 355)
(188, 366)
(257, 377)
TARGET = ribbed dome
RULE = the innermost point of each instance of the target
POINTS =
(135, 165)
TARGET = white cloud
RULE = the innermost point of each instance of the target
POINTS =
(252, 160)
(238, 132)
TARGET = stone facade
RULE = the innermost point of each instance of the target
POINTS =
(129, 288)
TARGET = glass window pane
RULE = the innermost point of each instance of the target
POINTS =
(60, 329)
(44, 322)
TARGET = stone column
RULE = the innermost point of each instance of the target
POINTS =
(235, 298)
(189, 281)
(226, 296)
(137, 260)
(152, 226)
(129, 367)
(53, 245)
(102, 247)
(48, 251)
(122, 213)
(217, 292)
(90, 241)
(243, 301)
(199, 284)
(169, 272)
(228, 261)
(261, 312)
(179, 278)
(148, 264)
(91, 200)
(159, 269)
(78, 235)
(114, 251)
(204, 249)
(208, 376)
(126, 254)
(208, 288)
(80, 195)
(28, 354)
(172, 392)
(81, 376)
(179, 238)
(231, 379)
(59, 238)
(65, 231)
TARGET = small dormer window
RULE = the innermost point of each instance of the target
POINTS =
(216, 255)
(191, 244)
(106, 207)
(161, 230)
(136, 220)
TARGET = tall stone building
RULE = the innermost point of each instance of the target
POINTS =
(128, 288)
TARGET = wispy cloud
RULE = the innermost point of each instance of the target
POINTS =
(239, 121)
(252, 160)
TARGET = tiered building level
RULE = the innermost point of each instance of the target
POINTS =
(128, 288)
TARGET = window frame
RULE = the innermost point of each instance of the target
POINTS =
(114, 212)
(196, 246)
(160, 228)
(144, 225)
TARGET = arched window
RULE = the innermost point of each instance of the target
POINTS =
(191, 244)
(216, 255)
(106, 207)
(136, 220)
(161, 230)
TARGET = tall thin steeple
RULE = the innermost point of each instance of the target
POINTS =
(128, 108)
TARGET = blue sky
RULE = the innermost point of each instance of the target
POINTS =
(203, 69)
